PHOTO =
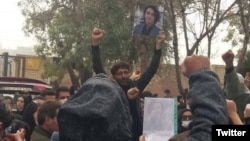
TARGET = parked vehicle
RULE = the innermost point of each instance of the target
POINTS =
(19, 85)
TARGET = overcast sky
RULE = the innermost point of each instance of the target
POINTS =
(12, 36)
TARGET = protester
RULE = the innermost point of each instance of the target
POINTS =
(6, 119)
(47, 121)
(62, 94)
(208, 102)
(236, 87)
(99, 111)
(121, 73)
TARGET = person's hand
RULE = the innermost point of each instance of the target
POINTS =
(133, 93)
(247, 111)
(228, 58)
(160, 39)
(194, 63)
(21, 133)
(142, 138)
(231, 107)
(12, 137)
(96, 35)
(135, 75)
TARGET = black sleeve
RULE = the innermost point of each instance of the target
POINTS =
(96, 58)
(145, 78)
(228, 70)
(247, 120)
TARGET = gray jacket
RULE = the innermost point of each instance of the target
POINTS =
(208, 105)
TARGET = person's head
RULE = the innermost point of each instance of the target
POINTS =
(47, 115)
(20, 101)
(91, 114)
(18, 125)
(121, 72)
(6, 116)
(151, 15)
(247, 79)
(30, 115)
(62, 93)
(49, 95)
(39, 99)
(184, 119)
(9, 101)
(167, 93)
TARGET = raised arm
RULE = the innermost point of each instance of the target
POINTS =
(208, 103)
(96, 35)
(233, 85)
(145, 78)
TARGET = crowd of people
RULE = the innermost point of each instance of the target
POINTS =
(110, 108)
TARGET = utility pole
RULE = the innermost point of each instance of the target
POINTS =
(5, 63)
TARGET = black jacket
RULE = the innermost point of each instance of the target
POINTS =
(141, 83)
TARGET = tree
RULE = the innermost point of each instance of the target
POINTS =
(245, 64)
(238, 31)
(208, 16)
(62, 29)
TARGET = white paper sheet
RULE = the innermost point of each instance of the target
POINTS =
(160, 119)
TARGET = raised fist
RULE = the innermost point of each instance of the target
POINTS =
(194, 63)
(96, 35)
(160, 39)
(228, 58)
(133, 93)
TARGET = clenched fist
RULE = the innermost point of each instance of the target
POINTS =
(133, 93)
(194, 63)
(160, 39)
(96, 35)
(228, 58)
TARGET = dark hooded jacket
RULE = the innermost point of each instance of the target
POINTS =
(99, 111)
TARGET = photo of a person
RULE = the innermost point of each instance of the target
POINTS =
(149, 20)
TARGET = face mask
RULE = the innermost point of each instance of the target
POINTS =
(185, 124)
(63, 100)
(8, 129)
(188, 107)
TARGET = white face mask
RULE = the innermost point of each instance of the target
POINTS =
(187, 106)
(63, 100)
(185, 123)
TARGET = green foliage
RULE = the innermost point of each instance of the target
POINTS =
(63, 29)
(236, 19)
(246, 64)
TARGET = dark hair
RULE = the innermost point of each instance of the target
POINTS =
(156, 13)
(48, 92)
(244, 71)
(179, 97)
(5, 114)
(10, 98)
(72, 90)
(61, 89)
(119, 65)
(28, 118)
(24, 99)
(48, 109)
(18, 124)
(38, 98)
(146, 94)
